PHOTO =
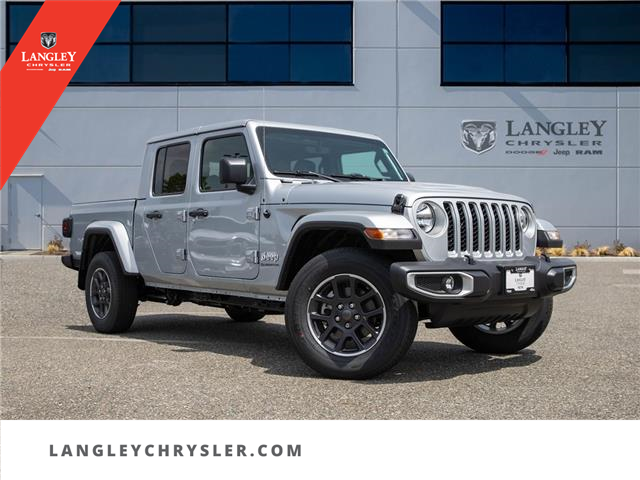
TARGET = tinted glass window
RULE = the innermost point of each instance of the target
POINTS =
(170, 174)
(178, 63)
(605, 63)
(259, 23)
(289, 150)
(473, 63)
(259, 63)
(117, 28)
(473, 22)
(321, 23)
(537, 23)
(20, 17)
(605, 22)
(366, 163)
(535, 63)
(179, 23)
(213, 152)
(185, 43)
(320, 63)
(105, 64)
(544, 43)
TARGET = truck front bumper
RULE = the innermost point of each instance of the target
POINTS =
(459, 292)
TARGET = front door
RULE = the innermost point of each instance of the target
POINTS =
(223, 230)
(25, 213)
(164, 212)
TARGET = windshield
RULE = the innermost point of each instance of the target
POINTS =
(341, 156)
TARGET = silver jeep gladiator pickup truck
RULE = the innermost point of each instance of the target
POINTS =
(325, 226)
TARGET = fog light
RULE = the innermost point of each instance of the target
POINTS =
(569, 277)
(448, 283)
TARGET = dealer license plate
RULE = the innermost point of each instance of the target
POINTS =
(519, 279)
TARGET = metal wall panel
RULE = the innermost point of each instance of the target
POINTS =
(124, 97)
(419, 24)
(194, 117)
(374, 16)
(97, 136)
(629, 197)
(629, 137)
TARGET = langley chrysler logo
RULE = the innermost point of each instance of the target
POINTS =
(49, 61)
(548, 137)
(478, 136)
(48, 39)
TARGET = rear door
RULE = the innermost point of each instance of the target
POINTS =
(223, 226)
(164, 211)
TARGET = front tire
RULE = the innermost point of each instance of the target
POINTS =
(110, 295)
(344, 318)
(244, 314)
(506, 337)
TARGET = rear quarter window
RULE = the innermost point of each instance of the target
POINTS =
(170, 172)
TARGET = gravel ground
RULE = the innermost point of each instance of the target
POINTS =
(191, 362)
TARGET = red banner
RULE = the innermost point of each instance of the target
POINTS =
(40, 68)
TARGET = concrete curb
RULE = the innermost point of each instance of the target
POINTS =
(603, 259)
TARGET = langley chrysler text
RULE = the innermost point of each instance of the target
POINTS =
(325, 226)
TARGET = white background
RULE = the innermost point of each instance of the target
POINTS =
(332, 449)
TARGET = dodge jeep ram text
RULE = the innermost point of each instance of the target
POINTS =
(324, 226)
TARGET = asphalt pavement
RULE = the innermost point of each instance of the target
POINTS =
(192, 362)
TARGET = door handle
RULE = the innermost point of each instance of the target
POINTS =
(200, 212)
(154, 214)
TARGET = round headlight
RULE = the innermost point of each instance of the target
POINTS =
(425, 217)
(524, 219)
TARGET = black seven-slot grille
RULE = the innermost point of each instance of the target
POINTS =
(483, 228)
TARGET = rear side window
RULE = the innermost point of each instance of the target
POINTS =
(170, 174)
(212, 153)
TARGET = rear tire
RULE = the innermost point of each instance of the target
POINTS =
(244, 314)
(110, 295)
(374, 328)
(485, 339)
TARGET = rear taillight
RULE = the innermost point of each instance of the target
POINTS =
(67, 227)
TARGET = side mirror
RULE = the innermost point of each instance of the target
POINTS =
(233, 170)
(411, 177)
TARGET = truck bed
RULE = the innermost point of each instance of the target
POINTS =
(86, 213)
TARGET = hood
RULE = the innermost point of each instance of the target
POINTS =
(383, 193)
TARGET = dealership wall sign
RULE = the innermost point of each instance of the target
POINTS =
(559, 138)
(478, 136)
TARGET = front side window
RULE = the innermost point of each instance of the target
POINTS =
(170, 173)
(541, 43)
(299, 152)
(213, 151)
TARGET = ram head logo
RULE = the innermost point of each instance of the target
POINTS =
(478, 136)
(48, 39)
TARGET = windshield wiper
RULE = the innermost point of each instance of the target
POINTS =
(306, 173)
(358, 176)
